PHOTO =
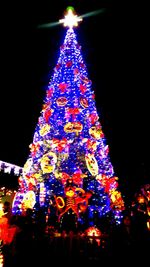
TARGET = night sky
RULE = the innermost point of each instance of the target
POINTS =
(115, 48)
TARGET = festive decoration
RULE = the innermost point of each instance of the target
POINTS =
(91, 163)
(1, 210)
(42, 194)
(73, 200)
(71, 20)
(29, 200)
(94, 232)
(45, 129)
(84, 102)
(1, 255)
(141, 203)
(48, 162)
(10, 168)
(71, 127)
(68, 170)
(61, 101)
(3, 225)
(96, 132)
(7, 231)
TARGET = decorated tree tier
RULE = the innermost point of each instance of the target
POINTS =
(68, 172)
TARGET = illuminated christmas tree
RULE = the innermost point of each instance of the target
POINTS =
(68, 172)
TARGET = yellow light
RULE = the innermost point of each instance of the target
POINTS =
(70, 19)
(70, 193)
(60, 202)
(1, 210)
(29, 199)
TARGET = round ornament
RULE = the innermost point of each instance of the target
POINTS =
(84, 102)
(61, 101)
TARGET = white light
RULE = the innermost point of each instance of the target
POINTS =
(7, 169)
(70, 19)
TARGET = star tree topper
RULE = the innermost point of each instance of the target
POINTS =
(71, 20)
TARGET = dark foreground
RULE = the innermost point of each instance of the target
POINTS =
(75, 250)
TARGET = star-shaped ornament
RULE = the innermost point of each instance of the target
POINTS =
(71, 20)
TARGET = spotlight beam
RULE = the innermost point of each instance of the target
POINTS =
(49, 25)
(93, 13)
(89, 14)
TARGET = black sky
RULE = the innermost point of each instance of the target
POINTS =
(115, 48)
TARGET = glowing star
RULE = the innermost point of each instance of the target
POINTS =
(70, 19)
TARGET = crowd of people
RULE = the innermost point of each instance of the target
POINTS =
(30, 240)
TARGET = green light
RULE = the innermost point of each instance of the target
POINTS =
(70, 8)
